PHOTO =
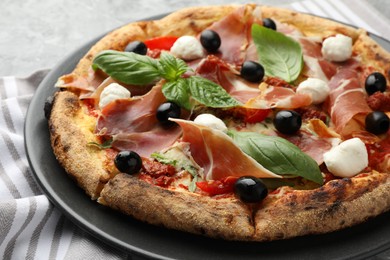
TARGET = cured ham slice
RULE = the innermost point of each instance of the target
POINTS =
(95, 94)
(219, 72)
(347, 101)
(313, 145)
(234, 31)
(146, 143)
(315, 65)
(85, 83)
(134, 126)
(216, 153)
(278, 97)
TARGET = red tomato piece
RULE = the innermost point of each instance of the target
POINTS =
(256, 115)
(217, 187)
(161, 43)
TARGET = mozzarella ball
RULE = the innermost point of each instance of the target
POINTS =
(347, 159)
(316, 88)
(112, 92)
(211, 121)
(187, 48)
(337, 48)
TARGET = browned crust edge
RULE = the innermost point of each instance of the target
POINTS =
(226, 218)
(336, 205)
(70, 131)
(373, 54)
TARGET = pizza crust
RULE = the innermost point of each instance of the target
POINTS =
(70, 131)
(373, 54)
(226, 218)
(311, 25)
(336, 205)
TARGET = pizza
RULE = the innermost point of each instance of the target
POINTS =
(237, 122)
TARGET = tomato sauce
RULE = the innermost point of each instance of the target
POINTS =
(377, 153)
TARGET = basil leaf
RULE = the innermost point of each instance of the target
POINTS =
(183, 163)
(171, 68)
(105, 145)
(278, 155)
(210, 94)
(128, 67)
(163, 159)
(280, 55)
(178, 92)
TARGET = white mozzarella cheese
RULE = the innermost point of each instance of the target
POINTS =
(113, 92)
(337, 48)
(317, 88)
(187, 48)
(211, 121)
(347, 159)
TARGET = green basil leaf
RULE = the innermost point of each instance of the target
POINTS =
(280, 55)
(163, 159)
(128, 67)
(178, 92)
(171, 68)
(278, 155)
(105, 145)
(210, 94)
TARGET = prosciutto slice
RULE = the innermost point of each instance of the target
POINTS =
(85, 83)
(278, 97)
(347, 100)
(220, 72)
(234, 31)
(134, 126)
(216, 153)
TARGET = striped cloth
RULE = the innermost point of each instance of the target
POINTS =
(30, 227)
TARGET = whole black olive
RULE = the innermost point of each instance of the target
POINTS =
(287, 121)
(167, 110)
(269, 23)
(210, 40)
(137, 47)
(250, 189)
(377, 122)
(128, 162)
(375, 82)
(252, 71)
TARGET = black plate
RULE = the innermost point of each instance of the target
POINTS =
(142, 239)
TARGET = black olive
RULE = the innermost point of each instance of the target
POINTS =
(287, 121)
(128, 162)
(48, 106)
(250, 189)
(252, 71)
(167, 110)
(210, 40)
(137, 47)
(269, 23)
(375, 82)
(377, 122)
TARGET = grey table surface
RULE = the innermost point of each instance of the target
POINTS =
(38, 34)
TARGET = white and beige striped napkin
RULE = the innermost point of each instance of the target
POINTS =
(30, 227)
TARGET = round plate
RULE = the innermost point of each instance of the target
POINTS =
(150, 241)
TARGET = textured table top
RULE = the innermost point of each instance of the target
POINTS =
(38, 34)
